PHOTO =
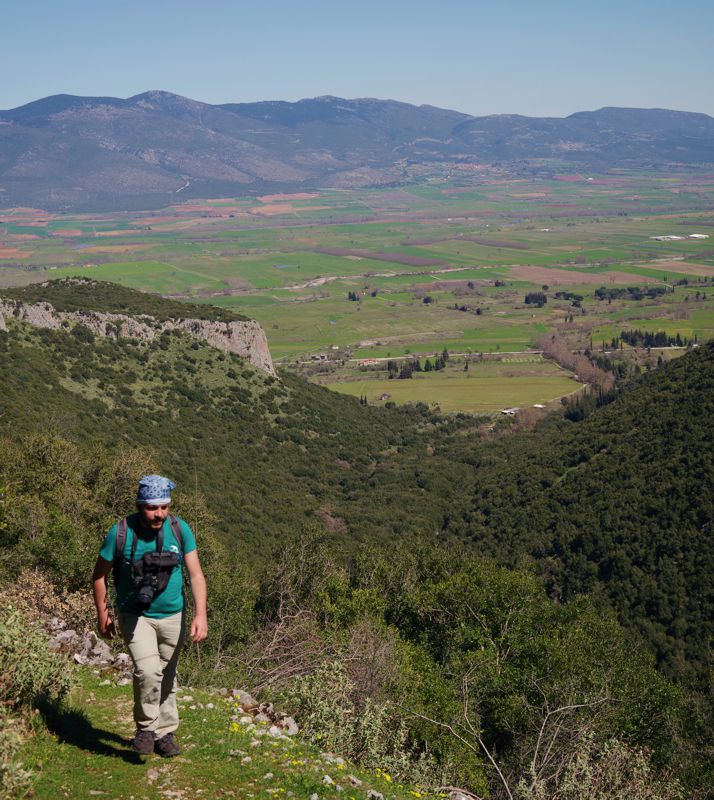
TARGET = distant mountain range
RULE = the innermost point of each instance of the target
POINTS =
(67, 152)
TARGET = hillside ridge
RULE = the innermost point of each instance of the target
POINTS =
(241, 336)
(104, 153)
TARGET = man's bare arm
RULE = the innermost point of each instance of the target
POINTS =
(105, 623)
(199, 626)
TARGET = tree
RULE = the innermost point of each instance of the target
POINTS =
(536, 298)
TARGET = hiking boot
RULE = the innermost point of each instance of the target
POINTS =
(143, 742)
(166, 746)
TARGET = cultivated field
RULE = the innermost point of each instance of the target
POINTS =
(342, 275)
(485, 387)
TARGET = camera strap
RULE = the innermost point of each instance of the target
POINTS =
(159, 543)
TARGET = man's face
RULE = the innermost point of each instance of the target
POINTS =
(153, 516)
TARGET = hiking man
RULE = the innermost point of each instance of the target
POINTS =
(146, 550)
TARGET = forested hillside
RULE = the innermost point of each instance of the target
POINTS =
(390, 598)
(621, 503)
(267, 453)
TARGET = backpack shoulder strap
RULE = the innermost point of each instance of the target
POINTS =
(119, 543)
(176, 530)
(121, 539)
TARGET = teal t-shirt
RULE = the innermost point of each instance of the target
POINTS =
(168, 602)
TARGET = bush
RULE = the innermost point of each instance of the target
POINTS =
(14, 780)
(35, 596)
(29, 672)
(615, 771)
(373, 733)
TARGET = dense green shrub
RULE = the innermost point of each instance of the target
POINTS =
(614, 771)
(14, 779)
(374, 734)
(29, 672)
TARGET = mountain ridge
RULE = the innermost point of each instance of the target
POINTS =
(66, 152)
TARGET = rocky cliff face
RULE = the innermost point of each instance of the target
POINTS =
(244, 338)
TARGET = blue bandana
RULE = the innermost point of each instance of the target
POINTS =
(154, 490)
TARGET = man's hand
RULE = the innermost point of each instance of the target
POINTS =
(199, 629)
(106, 627)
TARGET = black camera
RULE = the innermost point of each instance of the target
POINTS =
(145, 590)
(151, 576)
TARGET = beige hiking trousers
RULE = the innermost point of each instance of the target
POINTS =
(154, 646)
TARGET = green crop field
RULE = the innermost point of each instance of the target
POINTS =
(485, 387)
(427, 267)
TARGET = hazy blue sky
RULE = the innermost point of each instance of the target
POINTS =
(534, 57)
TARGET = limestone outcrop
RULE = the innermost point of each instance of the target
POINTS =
(245, 338)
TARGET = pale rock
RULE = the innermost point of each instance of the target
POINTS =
(373, 794)
(122, 661)
(245, 338)
(289, 726)
(354, 781)
(244, 699)
(327, 780)
(99, 649)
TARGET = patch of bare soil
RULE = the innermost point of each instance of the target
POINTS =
(7, 252)
(128, 232)
(684, 267)
(274, 209)
(333, 524)
(22, 215)
(279, 198)
(560, 277)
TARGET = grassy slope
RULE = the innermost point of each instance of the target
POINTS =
(85, 752)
